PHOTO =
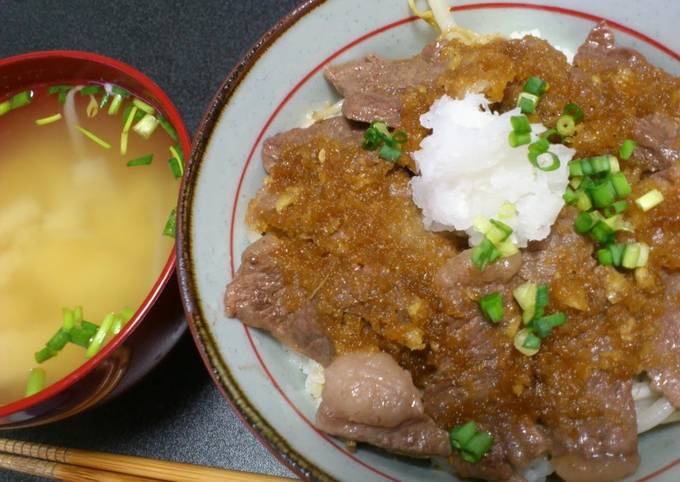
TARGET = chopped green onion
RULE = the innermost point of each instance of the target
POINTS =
(171, 224)
(21, 99)
(117, 325)
(146, 126)
(176, 166)
(498, 231)
(602, 194)
(5, 107)
(527, 102)
(540, 146)
(525, 295)
(621, 185)
(129, 117)
(630, 256)
(583, 202)
(127, 313)
(141, 161)
(569, 196)
(68, 320)
(576, 168)
(617, 250)
(114, 107)
(36, 381)
(45, 354)
(90, 90)
(168, 128)
(536, 161)
(94, 138)
(57, 89)
(575, 182)
(58, 341)
(143, 106)
(542, 298)
(627, 148)
(647, 201)
(617, 208)
(477, 447)
(100, 336)
(390, 153)
(88, 327)
(80, 337)
(516, 139)
(574, 111)
(549, 134)
(492, 306)
(605, 257)
(105, 100)
(461, 436)
(583, 223)
(566, 126)
(602, 233)
(507, 248)
(526, 342)
(600, 164)
(520, 124)
(176, 152)
(484, 253)
(120, 91)
(48, 120)
(544, 325)
(535, 85)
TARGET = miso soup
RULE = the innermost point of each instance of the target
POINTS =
(79, 227)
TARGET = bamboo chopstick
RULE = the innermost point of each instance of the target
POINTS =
(85, 466)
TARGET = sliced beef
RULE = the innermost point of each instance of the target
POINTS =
(338, 128)
(473, 383)
(368, 397)
(663, 358)
(658, 141)
(372, 86)
(597, 442)
(256, 297)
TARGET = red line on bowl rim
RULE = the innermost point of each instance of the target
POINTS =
(316, 70)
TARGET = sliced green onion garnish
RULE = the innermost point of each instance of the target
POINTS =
(526, 342)
(104, 100)
(569, 196)
(94, 138)
(79, 336)
(484, 253)
(574, 111)
(627, 148)
(542, 298)
(68, 320)
(647, 201)
(48, 120)
(621, 185)
(583, 202)
(498, 231)
(583, 223)
(525, 295)
(617, 208)
(546, 161)
(36, 381)
(544, 325)
(477, 447)
(492, 306)
(520, 124)
(575, 182)
(141, 161)
(21, 99)
(117, 325)
(57, 89)
(176, 166)
(604, 257)
(167, 127)
(535, 85)
(90, 90)
(146, 126)
(507, 248)
(88, 327)
(120, 91)
(5, 107)
(378, 136)
(565, 125)
(129, 118)
(390, 152)
(516, 139)
(44, 354)
(58, 341)
(602, 194)
(127, 313)
(114, 107)
(176, 151)
(602, 233)
(143, 106)
(100, 336)
(460, 436)
(631, 255)
(527, 102)
(171, 224)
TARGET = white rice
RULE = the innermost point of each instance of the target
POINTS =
(468, 170)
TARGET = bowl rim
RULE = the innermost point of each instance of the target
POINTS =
(156, 289)
(198, 324)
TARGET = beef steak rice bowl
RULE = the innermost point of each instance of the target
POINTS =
(479, 248)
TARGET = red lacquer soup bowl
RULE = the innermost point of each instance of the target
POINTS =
(157, 323)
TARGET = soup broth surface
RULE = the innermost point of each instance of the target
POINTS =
(77, 227)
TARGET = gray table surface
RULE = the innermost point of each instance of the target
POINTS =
(187, 47)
